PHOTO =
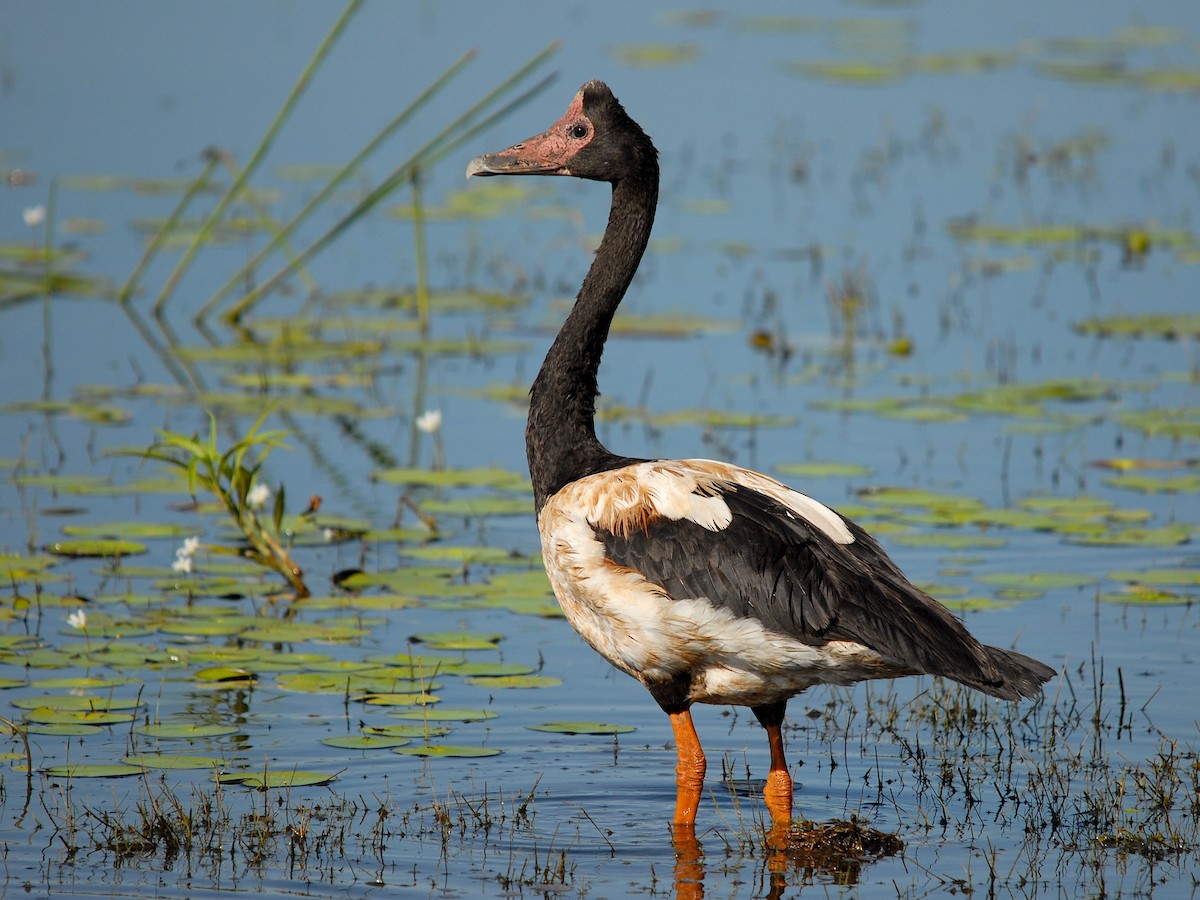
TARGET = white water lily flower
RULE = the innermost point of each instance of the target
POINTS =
(77, 619)
(34, 216)
(257, 498)
(182, 564)
(190, 546)
(430, 420)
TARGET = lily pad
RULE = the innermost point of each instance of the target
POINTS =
(102, 548)
(448, 751)
(183, 731)
(448, 714)
(582, 728)
(365, 742)
(175, 761)
(282, 779)
(97, 770)
(514, 681)
(458, 640)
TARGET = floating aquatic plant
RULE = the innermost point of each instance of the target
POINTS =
(234, 482)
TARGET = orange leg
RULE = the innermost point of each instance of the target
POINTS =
(689, 774)
(777, 793)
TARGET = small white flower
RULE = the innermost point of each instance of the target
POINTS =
(77, 619)
(430, 420)
(190, 546)
(34, 216)
(182, 564)
(329, 534)
(258, 495)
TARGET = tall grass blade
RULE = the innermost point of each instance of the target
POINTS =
(259, 153)
(437, 147)
(322, 195)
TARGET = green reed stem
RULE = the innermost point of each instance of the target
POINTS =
(211, 158)
(433, 150)
(259, 153)
(321, 196)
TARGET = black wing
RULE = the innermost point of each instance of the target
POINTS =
(773, 565)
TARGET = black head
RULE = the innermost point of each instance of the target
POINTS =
(594, 139)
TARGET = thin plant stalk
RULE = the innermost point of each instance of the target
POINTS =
(434, 149)
(419, 247)
(211, 158)
(344, 173)
(260, 152)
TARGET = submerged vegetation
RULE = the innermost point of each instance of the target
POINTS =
(218, 687)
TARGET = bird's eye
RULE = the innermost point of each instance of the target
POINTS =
(579, 130)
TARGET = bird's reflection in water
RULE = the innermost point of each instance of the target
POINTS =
(804, 852)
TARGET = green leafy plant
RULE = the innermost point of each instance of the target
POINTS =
(232, 477)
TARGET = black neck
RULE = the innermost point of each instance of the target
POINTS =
(560, 436)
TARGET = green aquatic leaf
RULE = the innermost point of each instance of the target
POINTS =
(95, 770)
(1184, 577)
(858, 71)
(418, 698)
(459, 640)
(1170, 326)
(1039, 580)
(365, 742)
(582, 728)
(1141, 595)
(448, 714)
(656, 55)
(1167, 536)
(478, 507)
(407, 731)
(184, 731)
(824, 470)
(475, 477)
(281, 779)
(99, 548)
(175, 761)
(77, 702)
(1154, 484)
(46, 716)
(513, 681)
(128, 530)
(448, 751)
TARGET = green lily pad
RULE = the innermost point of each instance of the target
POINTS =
(448, 751)
(46, 716)
(1141, 595)
(656, 55)
(174, 761)
(365, 742)
(487, 668)
(128, 530)
(98, 770)
(1152, 484)
(823, 470)
(1157, 576)
(1038, 580)
(458, 640)
(477, 477)
(282, 779)
(513, 681)
(448, 714)
(1167, 536)
(407, 731)
(95, 548)
(400, 699)
(582, 728)
(183, 731)
(77, 703)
